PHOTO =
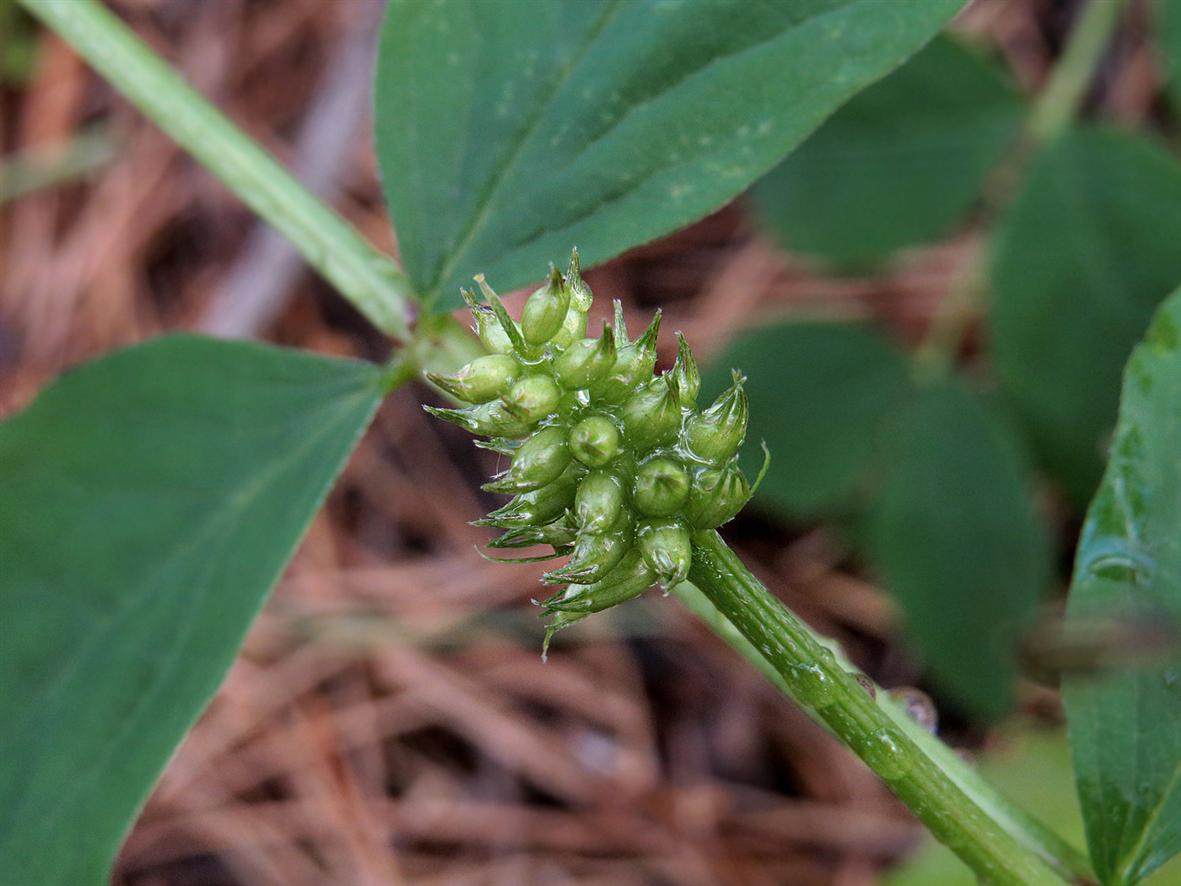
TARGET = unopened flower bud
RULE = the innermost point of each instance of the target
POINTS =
(594, 441)
(718, 495)
(488, 419)
(485, 378)
(652, 415)
(630, 578)
(532, 398)
(685, 372)
(595, 553)
(586, 361)
(599, 502)
(661, 487)
(545, 310)
(666, 548)
(558, 533)
(540, 506)
(715, 434)
(539, 460)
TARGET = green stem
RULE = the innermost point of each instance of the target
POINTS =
(1060, 100)
(1000, 845)
(372, 281)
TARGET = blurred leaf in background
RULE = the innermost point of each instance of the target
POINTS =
(473, 99)
(941, 485)
(898, 165)
(1126, 725)
(1081, 260)
(956, 540)
(821, 396)
(1168, 26)
(151, 499)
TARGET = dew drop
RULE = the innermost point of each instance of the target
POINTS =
(918, 706)
(812, 686)
(882, 750)
(865, 683)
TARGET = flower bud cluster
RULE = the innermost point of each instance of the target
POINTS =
(612, 467)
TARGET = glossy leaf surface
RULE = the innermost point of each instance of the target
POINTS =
(1082, 259)
(898, 164)
(957, 543)
(151, 499)
(820, 395)
(508, 131)
(1126, 725)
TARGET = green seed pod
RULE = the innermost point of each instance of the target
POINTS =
(661, 487)
(685, 372)
(586, 361)
(532, 398)
(545, 310)
(599, 502)
(718, 495)
(484, 379)
(559, 533)
(594, 441)
(716, 434)
(540, 506)
(541, 459)
(488, 419)
(652, 416)
(490, 324)
(667, 549)
(595, 554)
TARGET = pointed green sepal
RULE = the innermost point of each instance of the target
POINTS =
(486, 419)
(686, 373)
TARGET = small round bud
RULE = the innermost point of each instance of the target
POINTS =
(532, 398)
(585, 361)
(594, 441)
(661, 487)
(718, 494)
(540, 459)
(598, 503)
(716, 434)
(545, 310)
(484, 379)
(652, 415)
(667, 549)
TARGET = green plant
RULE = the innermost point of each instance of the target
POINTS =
(139, 535)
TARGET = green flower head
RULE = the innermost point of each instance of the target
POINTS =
(612, 466)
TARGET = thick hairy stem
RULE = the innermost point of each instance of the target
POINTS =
(1001, 845)
(372, 281)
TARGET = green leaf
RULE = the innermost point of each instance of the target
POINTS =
(1082, 259)
(508, 131)
(1168, 26)
(150, 500)
(899, 164)
(1126, 725)
(956, 540)
(821, 395)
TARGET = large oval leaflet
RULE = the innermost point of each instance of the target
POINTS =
(474, 98)
(1125, 724)
(615, 468)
